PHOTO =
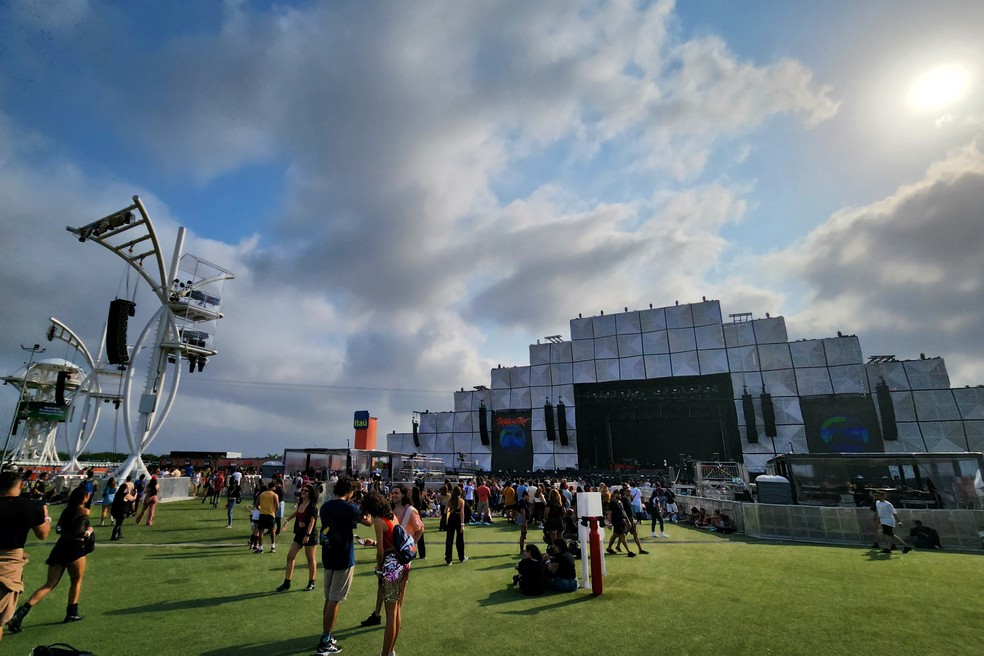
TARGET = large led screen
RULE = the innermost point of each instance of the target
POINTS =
(841, 424)
(512, 440)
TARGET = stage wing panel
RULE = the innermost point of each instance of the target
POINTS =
(500, 399)
(500, 378)
(892, 372)
(428, 423)
(482, 396)
(463, 401)
(713, 361)
(843, 350)
(951, 432)
(788, 411)
(562, 374)
(604, 325)
(571, 423)
(444, 421)
(685, 364)
(740, 381)
(927, 374)
(905, 407)
(584, 372)
(539, 396)
(909, 430)
(970, 401)
(679, 316)
(628, 323)
(658, 366)
(813, 381)
(400, 442)
(566, 461)
(652, 320)
(808, 353)
(798, 446)
(774, 356)
(563, 393)
(484, 461)
(606, 370)
(975, 435)
(582, 329)
(743, 334)
(790, 433)
(935, 405)
(743, 358)
(629, 345)
(657, 342)
(444, 443)
(583, 350)
(561, 353)
(520, 398)
(681, 340)
(519, 377)
(465, 422)
(540, 375)
(756, 462)
(780, 382)
(543, 461)
(632, 368)
(605, 347)
(709, 337)
(707, 313)
(539, 354)
(848, 379)
(540, 442)
(770, 331)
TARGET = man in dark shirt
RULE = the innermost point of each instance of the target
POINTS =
(17, 516)
(338, 519)
(561, 571)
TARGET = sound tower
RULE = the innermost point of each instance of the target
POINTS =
(768, 415)
(562, 423)
(748, 409)
(416, 436)
(548, 418)
(119, 310)
(890, 430)
(60, 388)
(483, 427)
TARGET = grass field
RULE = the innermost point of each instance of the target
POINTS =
(188, 586)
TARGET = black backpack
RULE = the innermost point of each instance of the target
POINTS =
(59, 649)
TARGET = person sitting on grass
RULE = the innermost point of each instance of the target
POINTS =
(924, 537)
(561, 573)
(723, 523)
(530, 568)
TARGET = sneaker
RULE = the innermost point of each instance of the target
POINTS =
(74, 617)
(228, 525)
(632, 554)
(906, 549)
(326, 648)
(283, 587)
(372, 620)
(663, 535)
(448, 563)
(610, 551)
(464, 559)
(654, 534)
(643, 551)
(273, 549)
(310, 586)
(258, 550)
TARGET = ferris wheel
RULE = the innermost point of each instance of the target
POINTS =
(181, 329)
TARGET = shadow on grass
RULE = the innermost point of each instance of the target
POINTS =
(188, 604)
(555, 600)
(281, 648)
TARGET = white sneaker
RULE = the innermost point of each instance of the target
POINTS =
(663, 535)
(654, 534)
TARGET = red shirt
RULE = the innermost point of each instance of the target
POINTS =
(482, 491)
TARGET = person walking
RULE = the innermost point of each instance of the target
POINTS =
(18, 515)
(69, 553)
(234, 495)
(150, 501)
(120, 508)
(392, 574)
(455, 526)
(108, 494)
(889, 519)
(338, 519)
(267, 502)
(305, 537)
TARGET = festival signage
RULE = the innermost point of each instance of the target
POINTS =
(512, 440)
(42, 411)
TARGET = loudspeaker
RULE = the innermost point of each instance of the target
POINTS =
(748, 409)
(60, 388)
(416, 437)
(890, 430)
(548, 418)
(483, 428)
(562, 423)
(768, 415)
(119, 310)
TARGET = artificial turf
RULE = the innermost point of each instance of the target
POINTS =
(187, 585)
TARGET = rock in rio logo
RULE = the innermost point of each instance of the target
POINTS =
(512, 433)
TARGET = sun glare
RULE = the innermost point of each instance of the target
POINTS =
(939, 88)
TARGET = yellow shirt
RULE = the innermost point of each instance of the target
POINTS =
(268, 503)
(509, 495)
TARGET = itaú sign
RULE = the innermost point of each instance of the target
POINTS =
(361, 419)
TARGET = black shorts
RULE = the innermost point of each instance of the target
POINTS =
(888, 530)
(304, 540)
(266, 522)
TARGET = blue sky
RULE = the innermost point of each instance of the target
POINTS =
(411, 194)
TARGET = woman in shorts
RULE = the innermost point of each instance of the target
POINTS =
(392, 575)
(305, 537)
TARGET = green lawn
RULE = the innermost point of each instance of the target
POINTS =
(188, 586)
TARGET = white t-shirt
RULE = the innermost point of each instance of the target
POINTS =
(886, 513)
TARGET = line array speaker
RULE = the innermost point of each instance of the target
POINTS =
(119, 310)
(416, 436)
(748, 409)
(890, 430)
(60, 388)
(548, 419)
(483, 428)
(768, 415)
(562, 423)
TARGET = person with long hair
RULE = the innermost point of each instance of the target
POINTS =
(392, 574)
(539, 494)
(553, 516)
(420, 503)
(455, 521)
(108, 494)
(149, 501)
(305, 537)
(409, 518)
(69, 553)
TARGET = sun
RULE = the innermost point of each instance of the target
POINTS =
(939, 88)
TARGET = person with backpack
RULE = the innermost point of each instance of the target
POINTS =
(409, 519)
(391, 572)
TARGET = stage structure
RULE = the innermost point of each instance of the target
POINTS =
(653, 387)
(182, 328)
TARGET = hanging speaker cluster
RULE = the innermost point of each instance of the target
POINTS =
(416, 433)
(548, 419)
(890, 430)
(60, 388)
(483, 424)
(562, 423)
(120, 310)
(768, 414)
(748, 409)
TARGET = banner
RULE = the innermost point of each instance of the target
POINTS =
(42, 411)
(512, 440)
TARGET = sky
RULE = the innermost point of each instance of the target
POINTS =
(410, 194)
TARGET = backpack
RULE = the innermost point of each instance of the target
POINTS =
(404, 545)
(58, 649)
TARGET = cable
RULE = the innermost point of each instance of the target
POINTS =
(260, 383)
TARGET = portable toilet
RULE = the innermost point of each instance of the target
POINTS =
(774, 489)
